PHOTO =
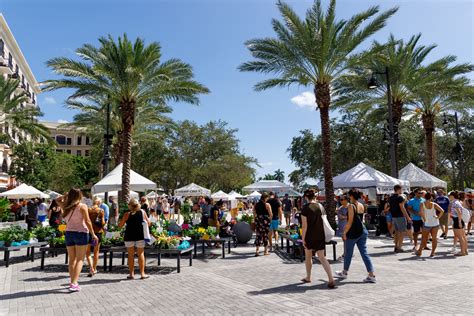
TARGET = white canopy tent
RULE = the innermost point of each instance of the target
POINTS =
(254, 195)
(420, 178)
(233, 196)
(267, 185)
(114, 194)
(113, 182)
(363, 176)
(220, 195)
(192, 190)
(52, 194)
(153, 195)
(24, 191)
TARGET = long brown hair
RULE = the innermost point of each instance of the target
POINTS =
(73, 197)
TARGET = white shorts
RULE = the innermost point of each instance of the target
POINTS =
(137, 244)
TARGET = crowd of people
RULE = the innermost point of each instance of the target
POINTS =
(418, 215)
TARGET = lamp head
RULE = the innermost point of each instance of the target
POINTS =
(372, 84)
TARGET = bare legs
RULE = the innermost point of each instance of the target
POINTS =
(141, 261)
(424, 241)
(324, 263)
(131, 261)
(272, 234)
(76, 259)
(459, 233)
(399, 239)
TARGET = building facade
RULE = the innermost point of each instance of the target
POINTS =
(69, 139)
(13, 65)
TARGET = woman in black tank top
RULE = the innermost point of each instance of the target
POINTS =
(262, 213)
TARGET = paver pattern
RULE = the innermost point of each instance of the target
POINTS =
(245, 285)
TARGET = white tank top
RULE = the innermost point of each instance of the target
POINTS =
(430, 214)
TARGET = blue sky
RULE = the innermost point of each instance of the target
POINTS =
(209, 34)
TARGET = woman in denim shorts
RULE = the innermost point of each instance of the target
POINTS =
(78, 227)
(134, 237)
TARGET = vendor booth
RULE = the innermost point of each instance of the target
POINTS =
(24, 191)
(113, 182)
(268, 186)
(192, 190)
(420, 178)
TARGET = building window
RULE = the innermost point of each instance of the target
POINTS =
(5, 166)
(87, 140)
(23, 81)
(2, 48)
(7, 130)
(61, 140)
(27, 87)
(79, 141)
(17, 71)
(68, 151)
(87, 153)
(69, 141)
(10, 61)
(33, 98)
(79, 153)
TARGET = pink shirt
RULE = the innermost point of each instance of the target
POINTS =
(75, 221)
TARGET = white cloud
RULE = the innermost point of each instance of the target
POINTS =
(304, 100)
(49, 100)
(63, 121)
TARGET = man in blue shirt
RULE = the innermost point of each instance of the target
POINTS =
(105, 208)
(414, 209)
(443, 201)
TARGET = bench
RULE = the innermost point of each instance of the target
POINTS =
(298, 244)
(148, 251)
(203, 242)
(30, 251)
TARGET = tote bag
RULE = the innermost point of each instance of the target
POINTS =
(328, 231)
(146, 230)
(466, 215)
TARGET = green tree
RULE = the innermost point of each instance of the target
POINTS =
(314, 52)
(279, 175)
(20, 118)
(72, 172)
(132, 76)
(33, 164)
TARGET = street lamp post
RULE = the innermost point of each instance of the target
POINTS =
(372, 85)
(459, 149)
(107, 142)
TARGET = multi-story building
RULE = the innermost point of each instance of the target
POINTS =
(13, 65)
(69, 139)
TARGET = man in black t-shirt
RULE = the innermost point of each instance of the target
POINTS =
(276, 220)
(400, 218)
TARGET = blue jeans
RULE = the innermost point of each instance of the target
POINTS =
(361, 243)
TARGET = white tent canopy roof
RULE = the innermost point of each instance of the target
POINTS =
(363, 176)
(254, 194)
(234, 195)
(220, 195)
(192, 190)
(24, 191)
(133, 194)
(113, 182)
(420, 178)
(267, 185)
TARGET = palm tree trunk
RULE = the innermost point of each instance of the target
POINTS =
(128, 113)
(323, 100)
(428, 126)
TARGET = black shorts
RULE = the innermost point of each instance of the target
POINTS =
(417, 226)
(409, 226)
(458, 223)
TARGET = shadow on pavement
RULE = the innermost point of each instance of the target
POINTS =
(46, 279)
(33, 293)
(299, 288)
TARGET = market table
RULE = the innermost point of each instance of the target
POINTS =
(297, 243)
(203, 243)
(149, 251)
(30, 251)
(56, 250)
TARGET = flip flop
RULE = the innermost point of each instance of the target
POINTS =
(129, 277)
(305, 280)
(144, 277)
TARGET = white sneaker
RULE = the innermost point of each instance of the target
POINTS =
(454, 249)
(370, 279)
(341, 275)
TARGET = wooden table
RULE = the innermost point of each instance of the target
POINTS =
(54, 252)
(30, 251)
(298, 244)
(148, 251)
(203, 243)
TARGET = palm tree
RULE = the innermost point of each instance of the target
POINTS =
(314, 52)
(132, 76)
(409, 79)
(150, 121)
(438, 91)
(279, 175)
(20, 118)
(403, 61)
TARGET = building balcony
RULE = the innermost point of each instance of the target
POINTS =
(4, 69)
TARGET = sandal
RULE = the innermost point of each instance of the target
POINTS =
(130, 277)
(257, 254)
(143, 277)
(305, 280)
(331, 285)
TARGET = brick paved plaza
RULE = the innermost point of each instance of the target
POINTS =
(243, 284)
